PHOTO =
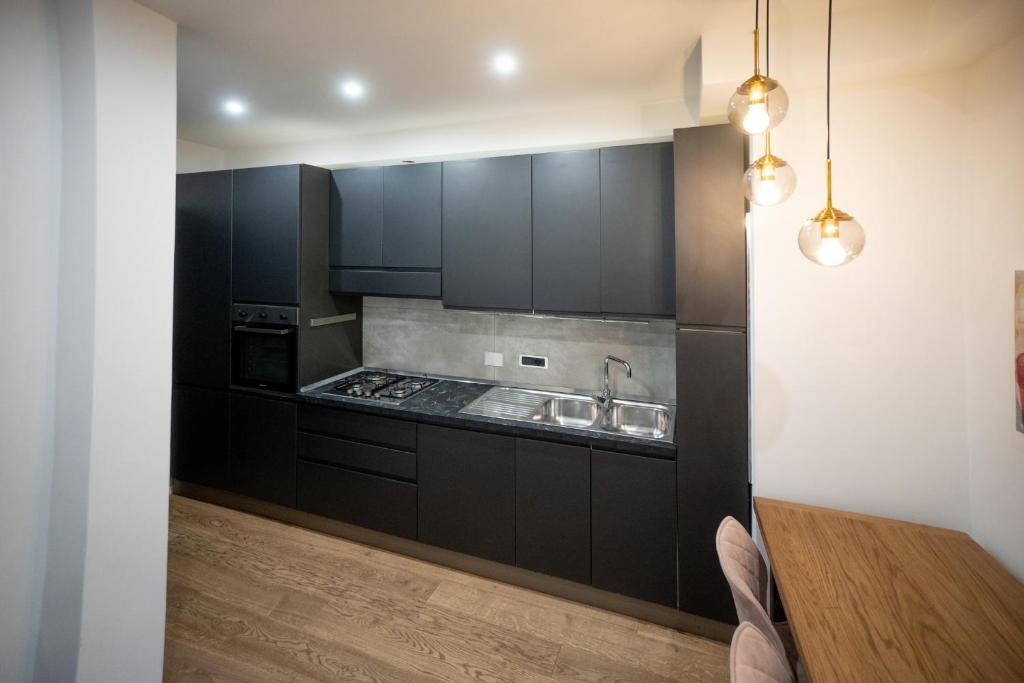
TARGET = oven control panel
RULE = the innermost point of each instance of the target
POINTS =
(265, 315)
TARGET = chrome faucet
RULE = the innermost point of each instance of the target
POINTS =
(606, 394)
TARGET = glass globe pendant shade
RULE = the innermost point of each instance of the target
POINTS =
(769, 181)
(832, 238)
(758, 105)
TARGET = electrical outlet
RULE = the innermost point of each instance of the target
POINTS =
(540, 362)
(494, 359)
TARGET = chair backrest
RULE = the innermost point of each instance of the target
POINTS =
(754, 658)
(745, 570)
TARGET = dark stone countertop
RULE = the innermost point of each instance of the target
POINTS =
(441, 403)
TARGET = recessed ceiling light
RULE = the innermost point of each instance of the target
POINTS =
(234, 107)
(352, 89)
(504, 64)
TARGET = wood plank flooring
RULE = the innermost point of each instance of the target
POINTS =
(250, 599)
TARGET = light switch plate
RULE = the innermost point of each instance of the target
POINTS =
(494, 359)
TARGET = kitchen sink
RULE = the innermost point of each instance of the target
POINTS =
(576, 411)
(638, 419)
(568, 411)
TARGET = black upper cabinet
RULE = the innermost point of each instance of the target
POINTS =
(202, 279)
(412, 216)
(634, 526)
(567, 232)
(263, 452)
(265, 236)
(637, 230)
(357, 215)
(553, 509)
(712, 433)
(711, 237)
(488, 249)
(467, 499)
(200, 425)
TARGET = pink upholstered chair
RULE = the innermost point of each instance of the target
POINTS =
(754, 658)
(745, 570)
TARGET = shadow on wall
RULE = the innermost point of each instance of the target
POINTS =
(422, 336)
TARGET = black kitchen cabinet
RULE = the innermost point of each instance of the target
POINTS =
(711, 236)
(358, 498)
(633, 526)
(357, 214)
(202, 279)
(637, 230)
(263, 458)
(712, 432)
(265, 235)
(553, 509)
(412, 216)
(487, 243)
(467, 498)
(567, 232)
(200, 435)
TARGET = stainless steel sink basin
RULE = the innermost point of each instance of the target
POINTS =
(638, 419)
(577, 411)
(568, 411)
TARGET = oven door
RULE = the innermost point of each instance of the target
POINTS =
(264, 356)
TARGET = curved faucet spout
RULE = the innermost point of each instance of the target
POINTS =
(606, 394)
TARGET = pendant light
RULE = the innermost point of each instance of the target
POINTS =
(831, 237)
(759, 102)
(769, 180)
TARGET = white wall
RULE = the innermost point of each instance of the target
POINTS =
(29, 182)
(193, 157)
(858, 372)
(87, 255)
(993, 248)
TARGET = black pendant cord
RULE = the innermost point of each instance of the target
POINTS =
(828, 89)
(767, 38)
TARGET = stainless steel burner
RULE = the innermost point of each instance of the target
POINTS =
(380, 386)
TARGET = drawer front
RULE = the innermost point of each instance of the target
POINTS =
(378, 430)
(361, 499)
(373, 459)
(392, 282)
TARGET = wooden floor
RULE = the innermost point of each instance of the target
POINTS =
(249, 599)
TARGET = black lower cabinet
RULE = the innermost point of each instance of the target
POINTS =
(467, 498)
(634, 526)
(200, 433)
(553, 509)
(263, 448)
(366, 500)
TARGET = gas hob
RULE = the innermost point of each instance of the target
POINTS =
(379, 386)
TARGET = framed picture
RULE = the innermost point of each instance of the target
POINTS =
(1018, 346)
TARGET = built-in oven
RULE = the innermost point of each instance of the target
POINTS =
(264, 347)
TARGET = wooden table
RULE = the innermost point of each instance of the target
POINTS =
(877, 599)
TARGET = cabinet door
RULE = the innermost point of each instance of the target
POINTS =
(567, 232)
(356, 217)
(488, 250)
(412, 216)
(202, 279)
(467, 492)
(712, 433)
(634, 526)
(200, 432)
(265, 236)
(553, 509)
(263, 458)
(711, 235)
(637, 230)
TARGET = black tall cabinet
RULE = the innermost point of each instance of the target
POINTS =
(712, 416)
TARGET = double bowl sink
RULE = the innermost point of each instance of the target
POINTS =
(576, 411)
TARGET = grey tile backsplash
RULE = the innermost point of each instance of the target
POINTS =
(422, 336)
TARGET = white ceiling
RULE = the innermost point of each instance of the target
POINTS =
(426, 62)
